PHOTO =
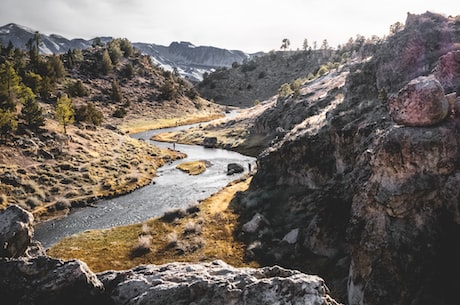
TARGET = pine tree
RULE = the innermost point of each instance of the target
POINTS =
(57, 66)
(116, 94)
(9, 87)
(107, 65)
(31, 112)
(65, 112)
(8, 123)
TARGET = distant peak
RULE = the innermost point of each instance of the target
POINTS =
(182, 44)
(12, 26)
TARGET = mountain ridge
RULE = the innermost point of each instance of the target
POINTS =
(190, 61)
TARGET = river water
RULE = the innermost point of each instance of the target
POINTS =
(171, 189)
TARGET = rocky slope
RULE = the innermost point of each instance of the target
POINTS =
(260, 78)
(28, 276)
(364, 190)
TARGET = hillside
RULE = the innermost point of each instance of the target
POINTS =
(190, 61)
(258, 79)
(357, 176)
(46, 169)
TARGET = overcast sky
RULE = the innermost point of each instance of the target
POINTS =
(248, 25)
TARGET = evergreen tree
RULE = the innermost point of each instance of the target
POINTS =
(8, 123)
(107, 65)
(65, 113)
(305, 44)
(31, 112)
(33, 81)
(128, 71)
(34, 46)
(126, 47)
(89, 113)
(9, 49)
(10, 87)
(57, 66)
(116, 94)
(77, 89)
(45, 88)
(285, 44)
(115, 51)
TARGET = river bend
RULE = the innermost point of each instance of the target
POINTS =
(171, 189)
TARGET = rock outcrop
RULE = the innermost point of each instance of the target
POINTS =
(373, 203)
(16, 231)
(44, 280)
(214, 283)
(30, 277)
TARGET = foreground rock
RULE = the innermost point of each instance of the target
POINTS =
(34, 278)
(44, 280)
(214, 283)
(16, 231)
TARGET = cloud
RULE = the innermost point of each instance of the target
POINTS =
(239, 24)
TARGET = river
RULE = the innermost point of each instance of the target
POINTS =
(170, 190)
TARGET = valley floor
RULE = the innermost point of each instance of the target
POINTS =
(201, 233)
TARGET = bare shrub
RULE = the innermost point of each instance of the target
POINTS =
(170, 216)
(143, 246)
(192, 227)
(172, 240)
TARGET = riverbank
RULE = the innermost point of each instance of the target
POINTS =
(200, 233)
(49, 173)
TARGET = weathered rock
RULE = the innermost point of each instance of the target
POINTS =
(400, 222)
(210, 142)
(292, 236)
(448, 71)
(255, 224)
(214, 283)
(16, 231)
(421, 103)
(44, 280)
(234, 168)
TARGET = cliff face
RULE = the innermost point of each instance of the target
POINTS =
(371, 204)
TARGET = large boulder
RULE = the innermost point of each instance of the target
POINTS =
(44, 280)
(420, 103)
(234, 168)
(16, 231)
(214, 283)
(210, 142)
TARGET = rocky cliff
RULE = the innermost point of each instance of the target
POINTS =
(363, 186)
(28, 276)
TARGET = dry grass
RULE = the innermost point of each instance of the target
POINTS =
(94, 164)
(192, 167)
(135, 126)
(204, 234)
